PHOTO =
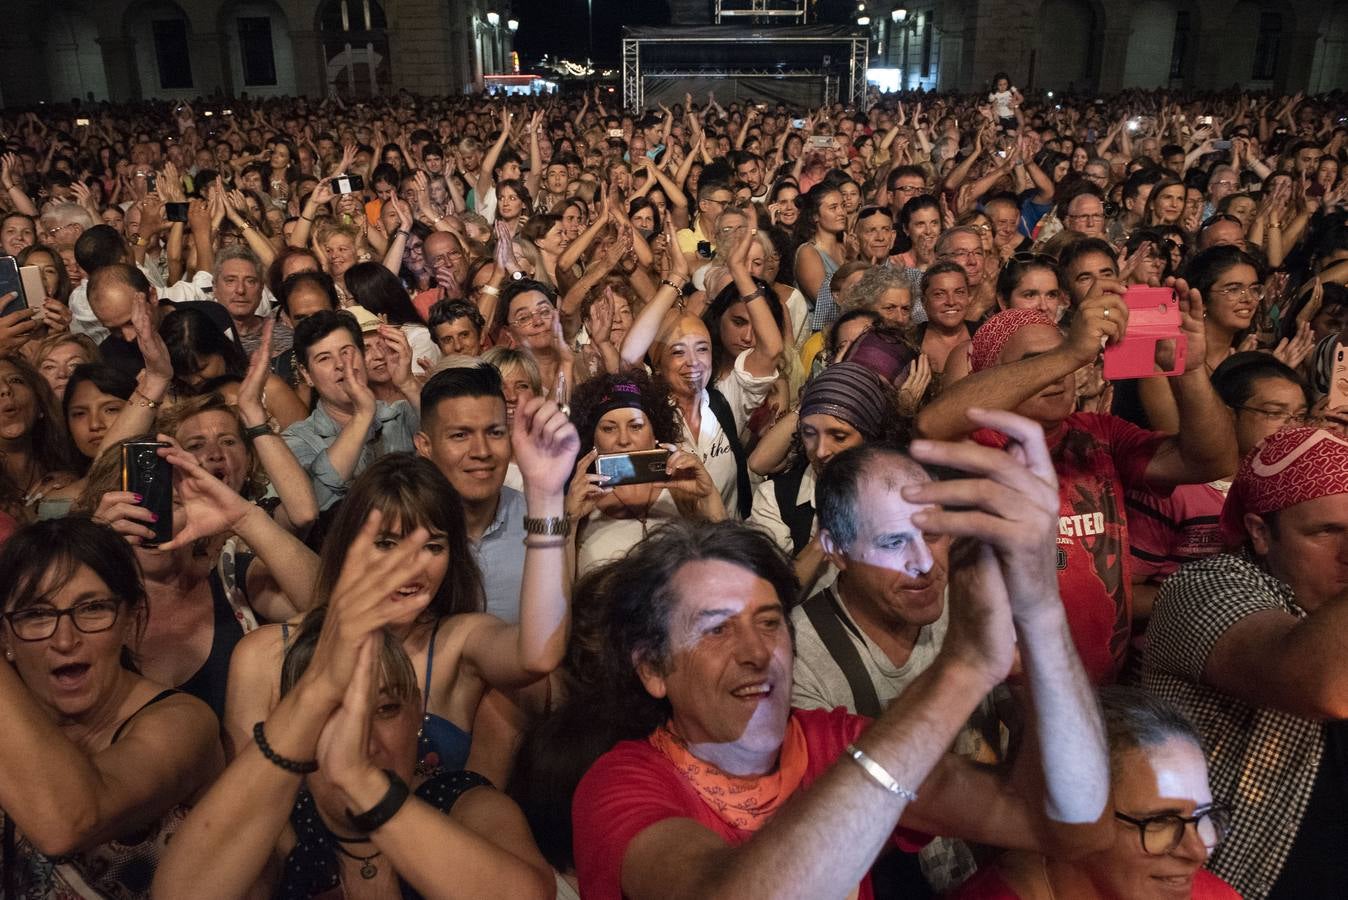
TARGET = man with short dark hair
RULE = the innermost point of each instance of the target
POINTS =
(712, 199)
(464, 432)
(349, 428)
(457, 327)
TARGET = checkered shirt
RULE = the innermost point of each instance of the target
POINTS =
(1261, 761)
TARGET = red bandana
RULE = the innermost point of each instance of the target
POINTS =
(996, 332)
(1289, 467)
(743, 803)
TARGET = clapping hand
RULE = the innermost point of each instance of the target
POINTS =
(544, 442)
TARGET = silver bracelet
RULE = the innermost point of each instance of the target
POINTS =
(879, 775)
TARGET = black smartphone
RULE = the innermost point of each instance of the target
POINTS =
(704, 249)
(151, 183)
(175, 212)
(348, 184)
(147, 473)
(641, 467)
(11, 283)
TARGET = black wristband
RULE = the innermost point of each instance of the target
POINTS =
(385, 809)
(254, 432)
(294, 766)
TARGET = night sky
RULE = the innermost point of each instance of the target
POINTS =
(558, 27)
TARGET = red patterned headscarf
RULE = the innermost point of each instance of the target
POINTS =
(1288, 467)
(996, 332)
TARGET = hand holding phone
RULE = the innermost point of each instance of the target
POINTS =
(1154, 343)
(639, 467)
(146, 473)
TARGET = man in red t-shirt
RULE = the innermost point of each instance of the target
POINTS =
(1022, 362)
(710, 802)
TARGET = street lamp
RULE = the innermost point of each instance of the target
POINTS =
(898, 15)
(513, 24)
(863, 20)
(493, 19)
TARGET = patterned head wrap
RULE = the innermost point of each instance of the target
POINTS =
(853, 393)
(996, 332)
(1288, 467)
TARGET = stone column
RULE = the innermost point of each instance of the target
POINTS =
(1113, 49)
(311, 75)
(208, 66)
(420, 48)
(119, 66)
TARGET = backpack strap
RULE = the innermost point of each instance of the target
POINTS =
(833, 628)
(720, 408)
(799, 518)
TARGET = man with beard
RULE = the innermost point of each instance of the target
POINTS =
(1022, 362)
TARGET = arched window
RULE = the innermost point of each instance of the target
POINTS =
(355, 46)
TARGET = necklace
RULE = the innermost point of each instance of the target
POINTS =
(367, 868)
(1048, 879)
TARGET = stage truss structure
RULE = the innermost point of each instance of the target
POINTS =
(781, 12)
(851, 89)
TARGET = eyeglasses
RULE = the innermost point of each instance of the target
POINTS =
(719, 201)
(538, 314)
(1240, 291)
(1087, 217)
(965, 254)
(38, 623)
(1161, 834)
(1280, 417)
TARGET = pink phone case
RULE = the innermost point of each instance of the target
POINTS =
(1153, 316)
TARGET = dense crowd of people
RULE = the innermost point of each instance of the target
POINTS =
(946, 497)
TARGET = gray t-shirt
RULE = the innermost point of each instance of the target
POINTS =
(819, 683)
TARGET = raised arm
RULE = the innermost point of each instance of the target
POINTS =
(646, 328)
(545, 443)
(224, 847)
(286, 570)
(823, 841)
(485, 182)
(1009, 385)
(762, 359)
(299, 507)
(1204, 448)
(535, 174)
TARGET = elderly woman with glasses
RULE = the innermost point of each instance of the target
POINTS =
(98, 764)
(526, 318)
(1165, 819)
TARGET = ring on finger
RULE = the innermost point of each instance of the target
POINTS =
(1106, 314)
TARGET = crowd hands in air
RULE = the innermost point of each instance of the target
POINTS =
(558, 491)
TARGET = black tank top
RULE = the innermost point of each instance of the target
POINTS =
(208, 684)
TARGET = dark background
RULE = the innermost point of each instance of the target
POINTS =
(558, 27)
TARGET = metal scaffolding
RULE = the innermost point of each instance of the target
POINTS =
(833, 73)
(762, 12)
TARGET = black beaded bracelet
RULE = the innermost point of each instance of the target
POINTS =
(385, 809)
(290, 765)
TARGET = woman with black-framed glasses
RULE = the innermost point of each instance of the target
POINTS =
(1166, 821)
(98, 764)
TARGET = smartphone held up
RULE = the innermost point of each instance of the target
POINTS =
(1154, 343)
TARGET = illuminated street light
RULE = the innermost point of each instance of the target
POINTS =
(863, 20)
(513, 24)
(493, 19)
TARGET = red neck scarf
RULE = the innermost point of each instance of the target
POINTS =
(743, 803)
